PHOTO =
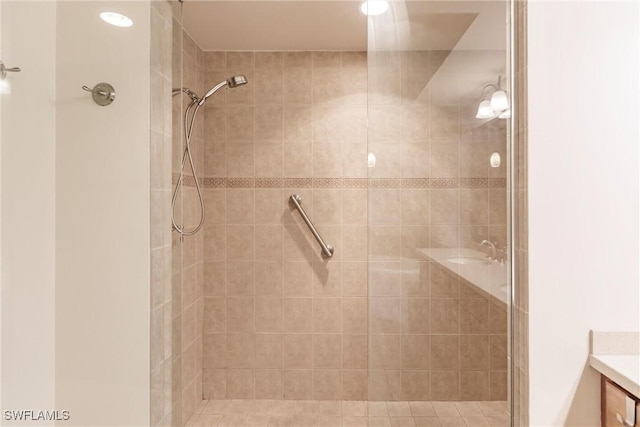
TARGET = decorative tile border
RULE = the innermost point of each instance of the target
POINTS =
(347, 183)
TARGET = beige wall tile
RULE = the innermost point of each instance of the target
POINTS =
(354, 243)
(354, 315)
(269, 314)
(354, 279)
(385, 351)
(240, 121)
(327, 351)
(269, 123)
(355, 351)
(474, 315)
(327, 384)
(416, 385)
(269, 384)
(445, 352)
(240, 314)
(240, 157)
(327, 279)
(297, 122)
(298, 351)
(298, 87)
(298, 158)
(240, 383)
(240, 278)
(474, 385)
(384, 385)
(354, 384)
(268, 206)
(415, 352)
(327, 315)
(268, 241)
(445, 316)
(240, 242)
(415, 315)
(474, 352)
(354, 159)
(269, 278)
(215, 315)
(298, 384)
(241, 351)
(268, 84)
(445, 385)
(384, 315)
(269, 351)
(269, 159)
(298, 278)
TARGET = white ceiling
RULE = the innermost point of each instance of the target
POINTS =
(339, 25)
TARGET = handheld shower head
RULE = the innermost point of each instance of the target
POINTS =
(236, 81)
(233, 82)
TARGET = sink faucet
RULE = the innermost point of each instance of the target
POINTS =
(492, 246)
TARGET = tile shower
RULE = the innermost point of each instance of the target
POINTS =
(279, 320)
(257, 312)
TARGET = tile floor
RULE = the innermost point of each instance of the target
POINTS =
(303, 413)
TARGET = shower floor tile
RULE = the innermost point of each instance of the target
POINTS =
(313, 413)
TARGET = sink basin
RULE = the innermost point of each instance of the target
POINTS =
(468, 260)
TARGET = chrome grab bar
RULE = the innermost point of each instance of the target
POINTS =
(327, 250)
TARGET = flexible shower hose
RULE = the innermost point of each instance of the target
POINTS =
(188, 129)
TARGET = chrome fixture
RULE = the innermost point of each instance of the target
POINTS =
(4, 70)
(497, 105)
(327, 250)
(233, 82)
(188, 91)
(189, 121)
(103, 94)
(5, 87)
(492, 247)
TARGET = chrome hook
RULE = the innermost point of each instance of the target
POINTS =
(103, 94)
(4, 70)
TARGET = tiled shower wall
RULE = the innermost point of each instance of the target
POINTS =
(160, 166)
(521, 229)
(188, 305)
(282, 322)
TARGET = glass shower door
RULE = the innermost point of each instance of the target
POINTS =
(438, 235)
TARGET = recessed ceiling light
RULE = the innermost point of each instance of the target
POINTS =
(117, 19)
(374, 7)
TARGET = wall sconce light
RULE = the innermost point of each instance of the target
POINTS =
(495, 160)
(497, 105)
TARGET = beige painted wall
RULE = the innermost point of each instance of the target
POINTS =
(28, 206)
(102, 217)
(584, 254)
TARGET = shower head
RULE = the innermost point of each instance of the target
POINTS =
(236, 81)
(233, 82)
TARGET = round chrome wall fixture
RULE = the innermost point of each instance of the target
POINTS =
(103, 94)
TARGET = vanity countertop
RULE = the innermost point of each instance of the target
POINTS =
(623, 370)
(616, 355)
(490, 276)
